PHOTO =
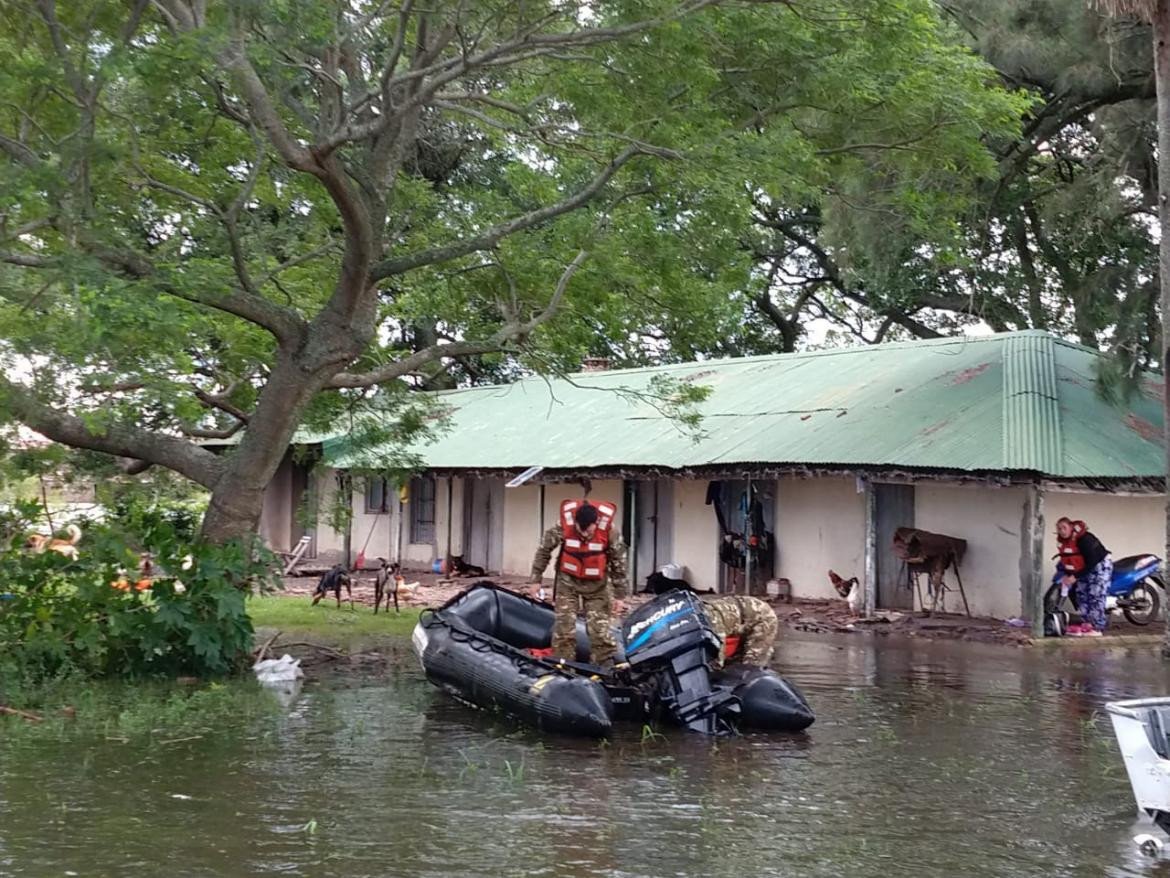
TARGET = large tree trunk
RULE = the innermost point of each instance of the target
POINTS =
(1161, 22)
(237, 499)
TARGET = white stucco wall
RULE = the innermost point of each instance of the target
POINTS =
(370, 530)
(696, 533)
(330, 543)
(1126, 525)
(820, 526)
(276, 513)
(522, 528)
(989, 519)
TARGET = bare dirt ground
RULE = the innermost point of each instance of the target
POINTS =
(816, 616)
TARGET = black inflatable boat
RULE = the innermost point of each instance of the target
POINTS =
(478, 648)
(475, 647)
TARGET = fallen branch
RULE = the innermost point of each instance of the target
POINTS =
(23, 714)
(263, 651)
(180, 740)
(335, 653)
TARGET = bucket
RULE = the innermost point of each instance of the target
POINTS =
(439, 565)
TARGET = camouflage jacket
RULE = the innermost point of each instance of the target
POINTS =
(735, 614)
(615, 568)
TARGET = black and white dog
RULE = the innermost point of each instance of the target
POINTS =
(386, 584)
(332, 581)
(659, 583)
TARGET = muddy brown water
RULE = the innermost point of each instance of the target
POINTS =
(927, 758)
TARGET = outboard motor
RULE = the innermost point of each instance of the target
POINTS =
(671, 640)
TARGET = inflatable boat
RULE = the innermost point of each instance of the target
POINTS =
(484, 648)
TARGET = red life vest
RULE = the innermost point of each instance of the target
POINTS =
(1070, 554)
(581, 558)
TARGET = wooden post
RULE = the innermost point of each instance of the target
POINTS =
(450, 509)
(398, 535)
(747, 538)
(871, 547)
(1032, 561)
(346, 485)
(632, 548)
(540, 517)
(1161, 34)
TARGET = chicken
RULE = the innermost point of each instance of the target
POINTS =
(843, 586)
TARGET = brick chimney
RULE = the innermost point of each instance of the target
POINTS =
(595, 364)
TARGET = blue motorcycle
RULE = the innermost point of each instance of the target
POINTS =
(1136, 589)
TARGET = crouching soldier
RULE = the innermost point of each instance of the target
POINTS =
(590, 572)
(751, 620)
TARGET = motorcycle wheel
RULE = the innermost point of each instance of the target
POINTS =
(1147, 597)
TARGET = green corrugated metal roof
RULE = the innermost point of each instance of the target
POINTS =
(1009, 402)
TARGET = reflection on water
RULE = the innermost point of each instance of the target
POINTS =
(934, 758)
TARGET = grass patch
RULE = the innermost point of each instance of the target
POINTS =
(145, 711)
(296, 614)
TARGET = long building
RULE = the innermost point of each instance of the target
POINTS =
(987, 439)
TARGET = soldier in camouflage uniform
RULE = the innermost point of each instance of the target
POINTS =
(750, 619)
(600, 597)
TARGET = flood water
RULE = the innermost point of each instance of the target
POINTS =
(928, 758)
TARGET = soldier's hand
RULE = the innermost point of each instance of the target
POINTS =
(618, 607)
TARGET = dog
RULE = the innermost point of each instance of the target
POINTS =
(39, 543)
(332, 581)
(658, 583)
(386, 583)
(850, 589)
(459, 567)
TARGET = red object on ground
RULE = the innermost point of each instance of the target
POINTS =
(540, 653)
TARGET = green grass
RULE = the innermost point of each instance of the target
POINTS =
(292, 614)
(139, 711)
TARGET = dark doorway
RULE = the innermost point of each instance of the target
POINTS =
(893, 508)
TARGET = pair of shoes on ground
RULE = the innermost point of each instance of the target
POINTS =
(1082, 630)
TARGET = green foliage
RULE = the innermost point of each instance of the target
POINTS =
(1065, 236)
(856, 110)
(95, 616)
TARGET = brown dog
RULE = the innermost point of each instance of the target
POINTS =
(39, 543)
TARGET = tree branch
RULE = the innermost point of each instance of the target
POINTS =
(19, 152)
(218, 401)
(495, 234)
(283, 322)
(190, 460)
(512, 331)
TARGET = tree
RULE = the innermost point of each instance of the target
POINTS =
(1157, 13)
(229, 222)
(163, 158)
(1056, 235)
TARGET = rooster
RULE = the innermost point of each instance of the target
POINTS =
(850, 589)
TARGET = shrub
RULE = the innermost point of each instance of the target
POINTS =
(96, 616)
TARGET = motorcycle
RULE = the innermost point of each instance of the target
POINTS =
(1136, 589)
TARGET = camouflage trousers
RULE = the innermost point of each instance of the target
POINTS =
(597, 599)
(750, 619)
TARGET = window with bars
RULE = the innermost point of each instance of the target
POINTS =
(422, 510)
